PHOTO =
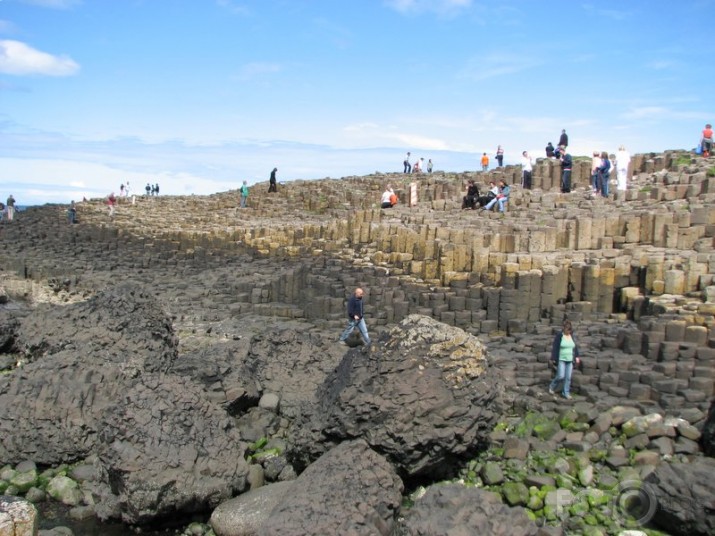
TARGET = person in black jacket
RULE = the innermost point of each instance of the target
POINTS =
(564, 352)
(470, 200)
(355, 318)
(566, 166)
(272, 181)
(564, 139)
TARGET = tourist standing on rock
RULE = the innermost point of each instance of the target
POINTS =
(707, 141)
(429, 166)
(526, 167)
(72, 213)
(595, 164)
(10, 207)
(406, 163)
(564, 139)
(111, 201)
(485, 162)
(500, 156)
(623, 159)
(355, 318)
(244, 194)
(604, 174)
(566, 166)
(564, 351)
(147, 188)
(121, 190)
(549, 150)
(272, 187)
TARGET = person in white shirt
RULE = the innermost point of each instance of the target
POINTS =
(623, 158)
(385, 201)
(526, 167)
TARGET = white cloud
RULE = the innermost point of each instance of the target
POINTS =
(233, 7)
(496, 64)
(54, 4)
(441, 7)
(256, 69)
(17, 58)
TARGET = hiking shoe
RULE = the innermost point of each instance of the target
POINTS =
(567, 397)
(551, 391)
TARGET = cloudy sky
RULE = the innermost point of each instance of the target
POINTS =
(199, 95)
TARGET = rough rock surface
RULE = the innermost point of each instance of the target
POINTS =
(349, 490)
(708, 437)
(18, 517)
(246, 514)
(420, 397)
(82, 356)
(685, 495)
(446, 510)
(167, 448)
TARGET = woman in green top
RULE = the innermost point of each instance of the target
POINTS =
(564, 351)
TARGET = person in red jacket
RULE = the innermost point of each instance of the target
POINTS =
(707, 141)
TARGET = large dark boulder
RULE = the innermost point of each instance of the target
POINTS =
(167, 448)
(82, 358)
(246, 514)
(445, 510)
(349, 490)
(685, 497)
(708, 438)
(420, 396)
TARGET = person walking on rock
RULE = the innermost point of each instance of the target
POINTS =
(429, 166)
(111, 201)
(564, 351)
(355, 318)
(485, 162)
(406, 163)
(272, 187)
(10, 207)
(244, 194)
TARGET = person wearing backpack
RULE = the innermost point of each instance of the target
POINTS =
(604, 173)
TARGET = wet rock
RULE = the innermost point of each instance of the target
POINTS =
(349, 490)
(708, 437)
(454, 509)
(247, 513)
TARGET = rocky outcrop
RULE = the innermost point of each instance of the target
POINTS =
(166, 448)
(685, 497)
(17, 517)
(450, 509)
(246, 514)
(421, 397)
(349, 490)
(708, 437)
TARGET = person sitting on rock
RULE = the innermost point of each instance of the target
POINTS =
(386, 201)
(472, 198)
(502, 197)
(416, 168)
(491, 194)
(707, 141)
(549, 150)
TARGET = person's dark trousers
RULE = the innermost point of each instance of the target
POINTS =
(604, 177)
(408, 167)
(500, 160)
(566, 181)
(526, 180)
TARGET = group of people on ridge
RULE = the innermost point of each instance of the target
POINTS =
(7, 210)
(418, 167)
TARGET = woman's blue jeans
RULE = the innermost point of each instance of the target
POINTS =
(563, 374)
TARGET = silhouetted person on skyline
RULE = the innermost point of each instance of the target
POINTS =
(272, 181)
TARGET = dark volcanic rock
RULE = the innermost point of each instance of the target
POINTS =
(349, 490)
(708, 438)
(123, 325)
(420, 397)
(83, 357)
(167, 448)
(445, 510)
(247, 513)
(685, 496)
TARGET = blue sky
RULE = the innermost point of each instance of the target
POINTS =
(199, 95)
